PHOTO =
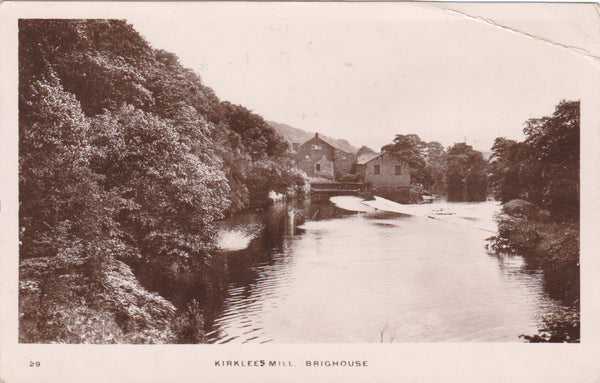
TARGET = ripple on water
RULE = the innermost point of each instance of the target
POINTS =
(364, 278)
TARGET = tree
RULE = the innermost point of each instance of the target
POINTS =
(258, 137)
(435, 157)
(507, 170)
(465, 174)
(553, 149)
(427, 161)
(172, 195)
(261, 160)
(408, 149)
(71, 285)
(544, 168)
(56, 185)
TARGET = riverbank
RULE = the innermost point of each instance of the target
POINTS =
(554, 248)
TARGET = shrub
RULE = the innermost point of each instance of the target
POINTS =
(515, 236)
(189, 325)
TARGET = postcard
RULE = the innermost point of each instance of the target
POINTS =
(297, 191)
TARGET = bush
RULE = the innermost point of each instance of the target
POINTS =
(520, 208)
(550, 246)
(563, 252)
(515, 236)
(557, 329)
(189, 325)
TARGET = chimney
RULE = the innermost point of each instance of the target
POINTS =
(316, 135)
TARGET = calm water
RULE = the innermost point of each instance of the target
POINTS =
(320, 273)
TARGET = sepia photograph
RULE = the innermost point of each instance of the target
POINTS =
(215, 173)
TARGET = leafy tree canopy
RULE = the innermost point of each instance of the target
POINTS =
(544, 168)
(465, 174)
(126, 160)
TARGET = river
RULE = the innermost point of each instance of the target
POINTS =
(350, 272)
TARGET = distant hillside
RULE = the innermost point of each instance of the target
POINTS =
(295, 135)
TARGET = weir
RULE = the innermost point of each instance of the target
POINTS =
(322, 191)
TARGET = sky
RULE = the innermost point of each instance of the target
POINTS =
(368, 71)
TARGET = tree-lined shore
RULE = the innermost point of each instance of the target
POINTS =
(125, 161)
(538, 181)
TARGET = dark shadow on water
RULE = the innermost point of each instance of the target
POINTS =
(561, 286)
(383, 224)
(268, 249)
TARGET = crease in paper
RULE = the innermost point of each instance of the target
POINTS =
(488, 21)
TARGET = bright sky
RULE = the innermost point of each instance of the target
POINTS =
(368, 71)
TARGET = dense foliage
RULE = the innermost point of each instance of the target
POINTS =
(407, 148)
(544, 168)
(126, 160)
(459, 172)
(466, 177)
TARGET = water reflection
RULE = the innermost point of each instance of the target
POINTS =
(318, 273)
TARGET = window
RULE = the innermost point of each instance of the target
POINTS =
(316, 147)
(307, 157)
(318, 167)
(376, 169)
(398, 169)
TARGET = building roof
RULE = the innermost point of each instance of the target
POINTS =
(364, 158)
(316, 136)
(329, 143)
